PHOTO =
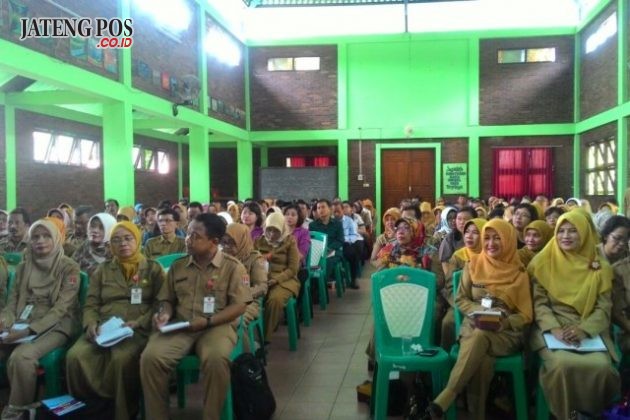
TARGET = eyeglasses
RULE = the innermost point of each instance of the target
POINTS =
(403, 229)
(523, 214)
(618, 239)
(119, 240)
(165, 220)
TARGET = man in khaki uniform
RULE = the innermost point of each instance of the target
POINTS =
(206, 288)
(168, 242)
(17, 241)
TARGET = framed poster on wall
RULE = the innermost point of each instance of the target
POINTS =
(455, 178)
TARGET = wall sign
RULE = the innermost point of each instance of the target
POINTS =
(455, 178)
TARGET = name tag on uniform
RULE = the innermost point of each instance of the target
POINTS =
(26, 312)
(246, 280)
(486, 302)
(208, 305)
(136, 295)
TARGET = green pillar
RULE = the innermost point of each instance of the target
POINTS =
(245, 169)
(10, 157)
(473, 166)
(118, 169)
(342, 168)
(180, 170)
(199, 164)
(576, 165)
(264, 156)
(622, 160)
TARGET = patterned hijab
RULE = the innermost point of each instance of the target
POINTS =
(503, 276)
(276, 220)
(394, 213)
(444, 227)
(413, 254)
(575, 278)
(129, 265)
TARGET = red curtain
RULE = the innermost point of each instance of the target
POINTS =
(297, 162)
(321, 161)
(523, 171)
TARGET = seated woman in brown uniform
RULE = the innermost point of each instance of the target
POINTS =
(572, 301)
(537, 234)
(124, 287)
(95, 249)
(621, 303)
(278, 246)
(494, 280)
(44, 302)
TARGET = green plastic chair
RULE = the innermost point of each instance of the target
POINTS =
(168, 259)
(292, 323)
(187, 372)
(316, 265)
(10, 283)
(13, 258)
(513, 364)
(256, 327)
(403, 299)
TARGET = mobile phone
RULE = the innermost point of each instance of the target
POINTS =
(428, 352)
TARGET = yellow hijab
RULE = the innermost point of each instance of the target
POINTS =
(504, 277)
(574, 278)
(464, 253)
(540, 226)
(128, 265)
(242, 238)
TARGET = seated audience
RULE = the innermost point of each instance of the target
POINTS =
(454, 240)
(194, 209)
(427, 218)
(168, 242)
(251, 216)
(279, 248)
(124, 287)
(537, 234)
(552, 214)
(126, 214)
(326, 223)
(182, 224)
(389, 233)
(80, 224)
(353, 243)
(524, 214)
(17, 241)
(447, 224)
(572, 301)
(295, 222)
(614, 234)
(95, 249)
(4, 225)
(621, 303)
(111, 207)
(45, 299)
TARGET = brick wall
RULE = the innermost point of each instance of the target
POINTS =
(43, 186)
(526, 93)
(598, 71)
(292, 100)
(161, 64)
(3, 175)
(223, 173)
(151, 187)
(603, 132)
(453, 151)
(562, 160)
(77, 51)
(226, 84)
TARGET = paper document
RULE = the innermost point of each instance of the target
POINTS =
(174, 326)
(62, 405)
(588, 344)
(19, 326)
(484, 313)
(113, 332)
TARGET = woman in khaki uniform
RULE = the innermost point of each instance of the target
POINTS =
(621, 302)
(95, 249)
(496, 280)
(237, 242)
(280, 250)
(572, 288)
(124, 287)
(45, 300)
(472, 245)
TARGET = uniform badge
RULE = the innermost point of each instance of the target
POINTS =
(246, 280)
(73, 280)
(210, 284)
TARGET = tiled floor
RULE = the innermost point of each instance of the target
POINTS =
(316, 382)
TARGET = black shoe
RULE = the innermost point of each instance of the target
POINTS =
(354, 286)
(433, 412)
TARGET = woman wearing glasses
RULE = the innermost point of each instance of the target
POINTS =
(123, 287)
(614, 245)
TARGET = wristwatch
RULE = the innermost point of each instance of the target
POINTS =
(209, 321)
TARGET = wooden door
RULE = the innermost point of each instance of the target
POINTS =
(407, 173)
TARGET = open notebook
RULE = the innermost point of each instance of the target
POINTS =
(113, 332)
(588, 344)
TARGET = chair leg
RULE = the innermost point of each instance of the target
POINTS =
(520, 394)
(292, 323)
(306, 307)
(227, 413)
(380, 394)
(52, 378)
(542, 409)
(182, 380)
(339, 280)
(323, 292)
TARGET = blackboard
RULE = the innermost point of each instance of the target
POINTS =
(294, 183)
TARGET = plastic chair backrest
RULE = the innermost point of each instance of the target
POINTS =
(403, 300)
(83, 287)
(317, 252)
(10, 283)
(13, 258)
(457, 276)
(166, 260)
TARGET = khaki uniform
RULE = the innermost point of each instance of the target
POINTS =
(4, 278)
(563, 373)
(256, 280)
(114, 372)
(159, 245)
(284, 263)
(474, 367)
(86, 260)
(54, 317)
(447, 336)
(6, 245)
(621, 302)
(186, 286)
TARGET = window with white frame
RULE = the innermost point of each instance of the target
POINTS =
(62, 149)
(293, 64)
(150, 160)
(606, 30)
(601, 173)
